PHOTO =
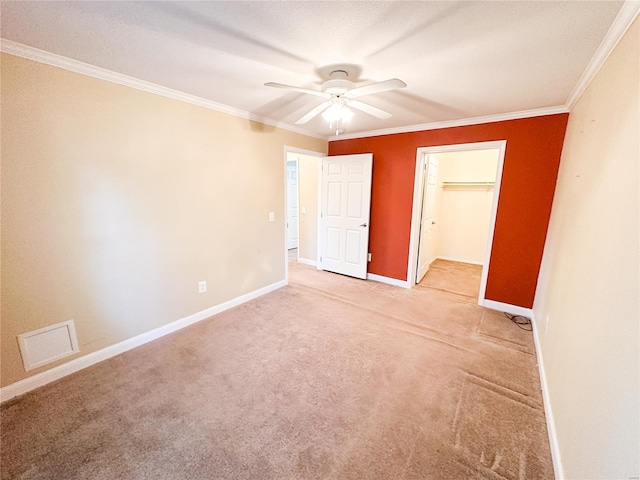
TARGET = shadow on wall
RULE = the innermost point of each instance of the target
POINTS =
(127, 257)
(258, 127)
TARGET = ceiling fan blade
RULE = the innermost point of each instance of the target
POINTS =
(376, 112)
(319, 109)
(376, 88)
(297, 89)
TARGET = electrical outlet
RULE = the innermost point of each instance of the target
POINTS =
(304, 210)
(272, 217)
(202, 286)
(369, 257)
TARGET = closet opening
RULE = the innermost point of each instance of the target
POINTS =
(454, 208)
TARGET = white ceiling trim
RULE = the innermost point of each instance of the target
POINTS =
(627, 14)
(76, 66)
(625, 17)
(620, 25)
(500, 117)
(31, 53)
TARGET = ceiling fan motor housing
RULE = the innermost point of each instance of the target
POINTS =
(337, 87)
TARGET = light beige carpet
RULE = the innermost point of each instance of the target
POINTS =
(327, 378)
(455, 277)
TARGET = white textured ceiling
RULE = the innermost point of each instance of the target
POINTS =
(460, 59)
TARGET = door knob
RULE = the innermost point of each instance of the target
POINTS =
(363, 225)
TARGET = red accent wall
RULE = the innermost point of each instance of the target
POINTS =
(528, 182)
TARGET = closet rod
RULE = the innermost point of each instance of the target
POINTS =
(468, 184)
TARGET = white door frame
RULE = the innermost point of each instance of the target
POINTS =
(501, 145)
(426, 165)
(297, 163)
(310, 153)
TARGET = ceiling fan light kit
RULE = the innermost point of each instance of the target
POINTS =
(338, 111)
(337, 114)
(339, 93)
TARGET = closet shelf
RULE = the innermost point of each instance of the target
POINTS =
(467, 184)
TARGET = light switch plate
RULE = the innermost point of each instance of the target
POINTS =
(272, 217)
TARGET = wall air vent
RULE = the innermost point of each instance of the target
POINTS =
(48, 344)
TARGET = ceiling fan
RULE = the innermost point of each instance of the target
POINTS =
(339, 94)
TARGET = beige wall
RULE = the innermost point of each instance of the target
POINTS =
(587, 306)
(308, 187)
(462, 221)
(116, 202)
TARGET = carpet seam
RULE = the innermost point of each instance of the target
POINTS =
(397, 319)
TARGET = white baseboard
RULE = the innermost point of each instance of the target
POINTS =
(388, 281)
(460, 260)
(306, 261)
(546, 400)
(40, 379)
(506, 307)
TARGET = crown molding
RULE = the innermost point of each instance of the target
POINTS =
(42, 56)
(500, 117)
(627, 14)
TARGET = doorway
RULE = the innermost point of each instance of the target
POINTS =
(455, 202)
(301, 206)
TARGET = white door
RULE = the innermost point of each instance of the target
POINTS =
(344, 218)
(292, 204)
(426, 245)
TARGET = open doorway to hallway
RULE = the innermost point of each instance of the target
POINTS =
(302, 204)
(457, 188)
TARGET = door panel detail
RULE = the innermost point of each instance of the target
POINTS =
(346, 204)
